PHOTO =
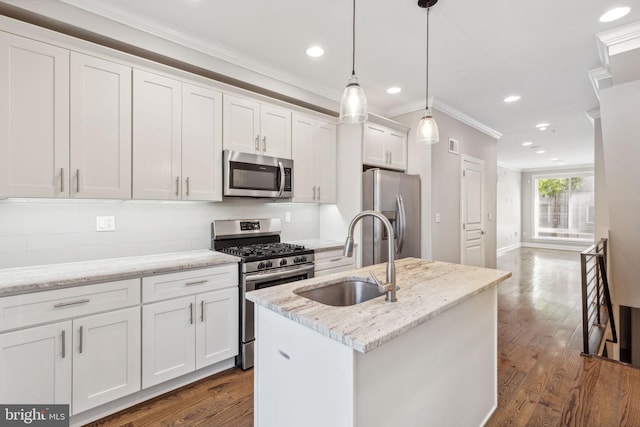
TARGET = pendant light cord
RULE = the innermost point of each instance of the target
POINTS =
(427, 73)
(353, 41)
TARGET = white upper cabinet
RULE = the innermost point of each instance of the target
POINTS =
(34, 118)
(253, 127)
(100, 128)
(157, 123)
(384, 147)
(201, 143)
(177, 139)
(314, 157)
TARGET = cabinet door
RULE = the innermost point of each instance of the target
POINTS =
(106, 358)
(201, 143)
(304, 159)
(100, 128)
(168, 340)
(241, 124)
(156, 136)
(373, 145)
(275, 131)
(217, 326)
(325, 142)
(397, 147)
(35, 365)
(34, 118)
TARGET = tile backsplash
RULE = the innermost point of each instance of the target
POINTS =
(44, 231)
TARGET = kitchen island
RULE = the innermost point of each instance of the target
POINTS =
(429, 359)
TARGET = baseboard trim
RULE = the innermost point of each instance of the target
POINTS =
(556, 247)
(508, 248)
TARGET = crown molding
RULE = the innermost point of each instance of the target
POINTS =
(436, 104)
(508, 166)
(593, 115)
(618, 40)
(600, 78)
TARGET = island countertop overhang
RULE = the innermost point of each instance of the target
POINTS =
(427, 289)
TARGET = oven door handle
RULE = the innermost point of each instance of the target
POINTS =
(278, 275)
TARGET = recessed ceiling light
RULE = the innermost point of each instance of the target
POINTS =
(542, 125)
(615, 13)
(560, 163)
(554, 159)
(512, 98)
(524, 144)
(540, 152)
(315, 51)
(393, 90)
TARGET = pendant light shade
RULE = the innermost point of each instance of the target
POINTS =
(427, 131)
(353, 105)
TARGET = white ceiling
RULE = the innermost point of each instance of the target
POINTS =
(480, 52)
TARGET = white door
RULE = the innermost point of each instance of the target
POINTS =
(472, 215)
(275, 131)
(217, 326)
(305, 161)
(168, 340)
(35, 365)
(156, 136)
(326, 170)
(34, 118)
(100, 128)
(106, 358)
(241, 124)
(201, 143)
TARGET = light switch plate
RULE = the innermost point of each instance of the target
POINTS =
(438, 218)
(105, 223)
(287, 217)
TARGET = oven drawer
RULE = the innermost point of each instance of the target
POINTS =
(173, 285)
(19, 311)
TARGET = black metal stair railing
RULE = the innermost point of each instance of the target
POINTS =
(596, 298)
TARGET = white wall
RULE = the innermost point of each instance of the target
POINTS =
(619, 110)
(42, 231)
(600, 176)
(509, 208)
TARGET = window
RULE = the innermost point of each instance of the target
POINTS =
(564, 207)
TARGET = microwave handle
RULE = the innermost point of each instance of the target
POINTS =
(281, 178)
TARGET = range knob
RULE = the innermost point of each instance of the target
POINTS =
(296, 259)
(269, 264)
(283, 262)
(261, 266)
(303, 259)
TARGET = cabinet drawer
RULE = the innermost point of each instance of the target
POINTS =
(164, 286)
(18, 311)
(332, 259)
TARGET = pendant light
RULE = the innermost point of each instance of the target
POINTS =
(353, 105)
(427, 132)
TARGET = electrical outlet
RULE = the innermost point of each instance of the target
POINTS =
(287, 217)
(105, 223)
(438, 218)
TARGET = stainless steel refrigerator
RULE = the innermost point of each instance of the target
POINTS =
(397, 196)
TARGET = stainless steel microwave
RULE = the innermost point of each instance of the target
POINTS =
(252, 175)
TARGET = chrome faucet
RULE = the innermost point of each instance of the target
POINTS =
(390, 286)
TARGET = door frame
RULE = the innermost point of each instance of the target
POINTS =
(466, 158)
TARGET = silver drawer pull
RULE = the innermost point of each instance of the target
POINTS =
(81, 339)
(191, 313)
(199, 282)
(283, 354)
(66, 304)
(64, 343)
(336, 259)
(202, 311)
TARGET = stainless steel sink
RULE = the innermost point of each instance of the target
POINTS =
(346, 291)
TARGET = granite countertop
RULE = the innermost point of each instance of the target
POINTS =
(52, 276)
(319, 245)
(427, 289)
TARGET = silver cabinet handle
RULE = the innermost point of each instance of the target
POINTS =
(390, 157)
(191, 313)
(66, 304)
(336, 260)
(202, 311)
(264, 143)
(81, 339)
(177, 185)
(187, 185)
(283, 354)
(62, 180)
(318, 193)
(77, 180)
(198, 282)
(314, 193)
(257, 142)
(64, 343)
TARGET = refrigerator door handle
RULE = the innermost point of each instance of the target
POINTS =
(402, 223)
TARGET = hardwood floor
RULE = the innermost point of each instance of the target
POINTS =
(542, 379)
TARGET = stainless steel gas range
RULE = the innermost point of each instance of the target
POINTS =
(265, 262)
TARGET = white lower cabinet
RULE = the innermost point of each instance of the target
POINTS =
(191, 332)
(35, 365)
(332, 261)
(106, 357)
